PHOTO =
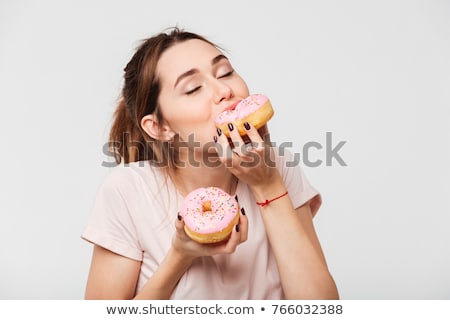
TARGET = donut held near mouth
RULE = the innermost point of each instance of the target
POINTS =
(209, 214)
(256, 109)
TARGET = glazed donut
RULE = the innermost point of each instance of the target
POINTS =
(209, 214)
(256, 109)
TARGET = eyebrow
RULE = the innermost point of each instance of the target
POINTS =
(190, 72)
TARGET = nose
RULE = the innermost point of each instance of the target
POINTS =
(221, 91)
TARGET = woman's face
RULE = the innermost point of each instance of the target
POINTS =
(197, 83)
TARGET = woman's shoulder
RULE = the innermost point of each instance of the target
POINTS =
(130, 175)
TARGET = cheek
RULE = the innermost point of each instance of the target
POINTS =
(195, 120)
(241, 88)
(186, 113)
(195, 112)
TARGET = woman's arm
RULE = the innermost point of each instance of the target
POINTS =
(303, 271)
(113, 276)
(301, 263)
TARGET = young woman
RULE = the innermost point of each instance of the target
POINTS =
(167, 145)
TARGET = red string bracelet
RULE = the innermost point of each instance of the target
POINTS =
(265, 203)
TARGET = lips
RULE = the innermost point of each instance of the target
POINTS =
(232, 106)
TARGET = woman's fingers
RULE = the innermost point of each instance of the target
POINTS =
(234, 150)
(179, 226)
(255, 138)
(236, 140)
(243, 226)
(238, 235)
(224, 150)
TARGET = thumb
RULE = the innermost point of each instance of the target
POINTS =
(179, 223)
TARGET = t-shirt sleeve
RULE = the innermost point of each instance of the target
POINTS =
(297, 184)
(110, 224)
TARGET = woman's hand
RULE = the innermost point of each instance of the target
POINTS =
(191, 249)
(250, 158)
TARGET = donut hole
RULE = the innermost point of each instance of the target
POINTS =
(206, 206)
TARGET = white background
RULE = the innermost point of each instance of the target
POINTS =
(374, 73)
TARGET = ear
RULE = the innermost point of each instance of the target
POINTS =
(161, 132)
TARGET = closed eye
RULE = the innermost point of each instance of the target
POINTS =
(193, 90)
(227, 74)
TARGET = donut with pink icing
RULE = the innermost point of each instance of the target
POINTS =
(256, 109)
(209, 214)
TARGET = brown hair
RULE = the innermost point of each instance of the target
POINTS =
(128, 141)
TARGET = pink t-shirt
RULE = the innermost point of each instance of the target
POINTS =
(134, 214)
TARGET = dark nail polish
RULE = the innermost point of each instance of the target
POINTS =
(236, 197)
(179, 216)
(243, 211)
(230, 126)
(246, 126)
(237, 227)
(219, 132)
(215, 139)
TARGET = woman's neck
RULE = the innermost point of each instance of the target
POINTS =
(190, 178)
(198, 168)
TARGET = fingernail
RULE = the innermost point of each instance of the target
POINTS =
(247, 126)
(219, 132)
(179, 216)
(236, 197)
(243, 211)
(230, 126)
(215, 139)
(237, 227)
